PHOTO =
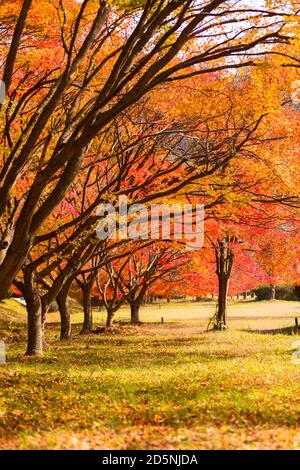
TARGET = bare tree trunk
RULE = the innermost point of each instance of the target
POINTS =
(109, 319)
(224, 259)
(35, 331)
(44, 313)
(88, 311)
(273, 292)
(34, 317)
(222, 302)
(65, 317)
(135, 313)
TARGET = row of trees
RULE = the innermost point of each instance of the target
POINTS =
(163, 101)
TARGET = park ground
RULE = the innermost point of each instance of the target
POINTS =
(159, 386)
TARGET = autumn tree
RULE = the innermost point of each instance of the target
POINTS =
(144, 162)
(157, 264)
(102, 60)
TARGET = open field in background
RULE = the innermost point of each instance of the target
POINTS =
(158, 386)
(194, 311)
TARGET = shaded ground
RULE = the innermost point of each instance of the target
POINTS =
(160, 386)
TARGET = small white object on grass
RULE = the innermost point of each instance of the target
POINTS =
(2, 353)
(296, 353)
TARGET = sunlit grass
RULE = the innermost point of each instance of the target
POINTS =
(170, 385)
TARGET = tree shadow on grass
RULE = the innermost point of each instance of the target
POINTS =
(288, 331)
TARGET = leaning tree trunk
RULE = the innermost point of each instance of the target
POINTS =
(64, 311)
(88, 311)
(135, 313)
(34, 317)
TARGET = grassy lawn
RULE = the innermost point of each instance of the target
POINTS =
(158, 386)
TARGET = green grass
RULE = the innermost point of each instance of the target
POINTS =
(159, 386)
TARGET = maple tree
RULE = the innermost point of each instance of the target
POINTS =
(157, 264)
(88, 118)
(125, 169)
(52, 116)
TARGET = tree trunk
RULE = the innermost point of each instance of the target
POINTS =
(88, 311)
(34, 318)
(273, 292)
(222, 303)
(224, 259)
(65, 317)
(44, 313)
(135, 313)
(109, 319)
